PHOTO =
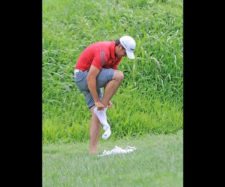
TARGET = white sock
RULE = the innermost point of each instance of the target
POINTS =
(101, 114)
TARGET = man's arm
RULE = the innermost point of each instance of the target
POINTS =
(91, 81)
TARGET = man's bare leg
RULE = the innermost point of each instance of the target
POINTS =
(94, 133)
(112, 87)
(110, 90)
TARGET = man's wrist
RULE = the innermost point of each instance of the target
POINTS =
(97, 100)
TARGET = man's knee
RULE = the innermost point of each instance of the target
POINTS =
(119, 76)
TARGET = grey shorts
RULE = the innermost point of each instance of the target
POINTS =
(80, 78)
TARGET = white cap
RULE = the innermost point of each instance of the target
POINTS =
(129, 45)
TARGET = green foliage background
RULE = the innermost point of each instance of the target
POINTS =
(150, 99)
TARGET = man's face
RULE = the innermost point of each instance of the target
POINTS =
(121, 51)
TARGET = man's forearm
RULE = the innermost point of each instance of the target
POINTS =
(91, 81)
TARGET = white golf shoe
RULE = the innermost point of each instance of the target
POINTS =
(101, 114)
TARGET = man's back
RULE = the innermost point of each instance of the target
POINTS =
(99, 54)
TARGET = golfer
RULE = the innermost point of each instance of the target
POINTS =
(97, 69)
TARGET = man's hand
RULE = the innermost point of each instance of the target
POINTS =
(109, 104)
(99, 105)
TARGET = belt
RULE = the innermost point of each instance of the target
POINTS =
(77, 70)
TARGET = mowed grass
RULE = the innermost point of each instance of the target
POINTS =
(157, 162)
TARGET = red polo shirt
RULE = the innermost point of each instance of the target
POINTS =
(99, 54)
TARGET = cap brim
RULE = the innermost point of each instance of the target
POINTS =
(130, 54)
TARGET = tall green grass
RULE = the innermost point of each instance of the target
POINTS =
(151, 96)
